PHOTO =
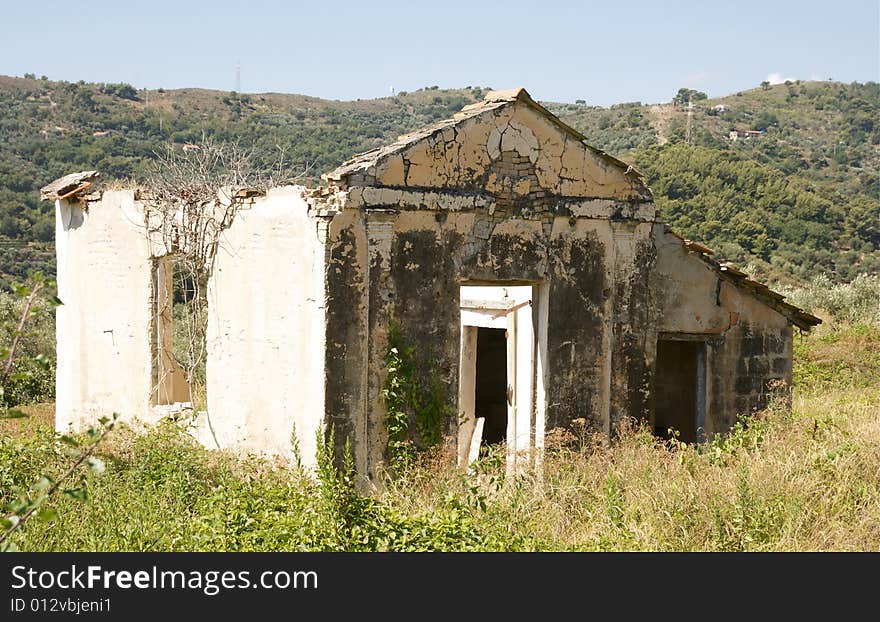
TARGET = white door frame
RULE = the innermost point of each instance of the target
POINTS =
(510, 308)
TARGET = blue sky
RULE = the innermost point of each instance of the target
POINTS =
(602, 52)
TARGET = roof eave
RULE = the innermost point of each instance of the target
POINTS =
(755, 289)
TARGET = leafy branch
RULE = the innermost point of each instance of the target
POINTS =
(35, 288)
(26, 506)
(407, 393)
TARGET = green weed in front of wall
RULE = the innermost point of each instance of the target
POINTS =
(409, 396)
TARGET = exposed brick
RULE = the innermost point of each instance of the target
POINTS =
(752, 345)
(775, 343)
(743, 385)
(758, 366)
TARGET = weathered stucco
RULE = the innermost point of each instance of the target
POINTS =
(105, 360)
(418, 260)
(501, 197)
(749, 344)
(265, 335)
(307, 285)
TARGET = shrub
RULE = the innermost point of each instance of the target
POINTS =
(33, 373)
(856, 301)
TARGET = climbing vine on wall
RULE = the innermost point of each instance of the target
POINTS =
(410, 397)
(433, 409)
(194, 195)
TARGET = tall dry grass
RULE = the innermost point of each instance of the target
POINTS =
(805, 478)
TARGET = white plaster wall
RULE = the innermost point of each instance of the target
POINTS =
(266, 334)
(103, 327)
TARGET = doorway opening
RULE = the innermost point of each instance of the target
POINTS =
(502, 371)
(680, 389)
(490, 401)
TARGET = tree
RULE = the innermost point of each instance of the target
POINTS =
(121, 90)
(686, 95)
(764, 120)
(193, 197)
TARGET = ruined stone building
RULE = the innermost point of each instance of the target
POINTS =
(527, 270)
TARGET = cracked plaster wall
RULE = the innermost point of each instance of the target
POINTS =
(465, 157)
(510, 199)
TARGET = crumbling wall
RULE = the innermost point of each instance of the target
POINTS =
(266, 319)
(748, 344)
(417, 262)
(504, 198)
(579, 330)
(514, 150)
(106, 362)
(266, 323)
(633, 338)
(753, 361)
(345, 355)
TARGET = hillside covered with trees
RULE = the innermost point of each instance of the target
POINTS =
(796, 194)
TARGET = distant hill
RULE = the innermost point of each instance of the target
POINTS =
(800, 198)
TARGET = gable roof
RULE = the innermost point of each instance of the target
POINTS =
(362, 164)
(358, 171)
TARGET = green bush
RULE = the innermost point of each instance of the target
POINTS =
(161, 491)
(33, 372)
(853, 302)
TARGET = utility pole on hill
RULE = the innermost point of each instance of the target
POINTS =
(690, 119)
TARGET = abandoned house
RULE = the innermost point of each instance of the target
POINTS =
(526, 269)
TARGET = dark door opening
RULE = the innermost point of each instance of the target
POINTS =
(679, 389)
(491, 384)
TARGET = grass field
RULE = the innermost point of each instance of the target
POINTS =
(807, 478)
